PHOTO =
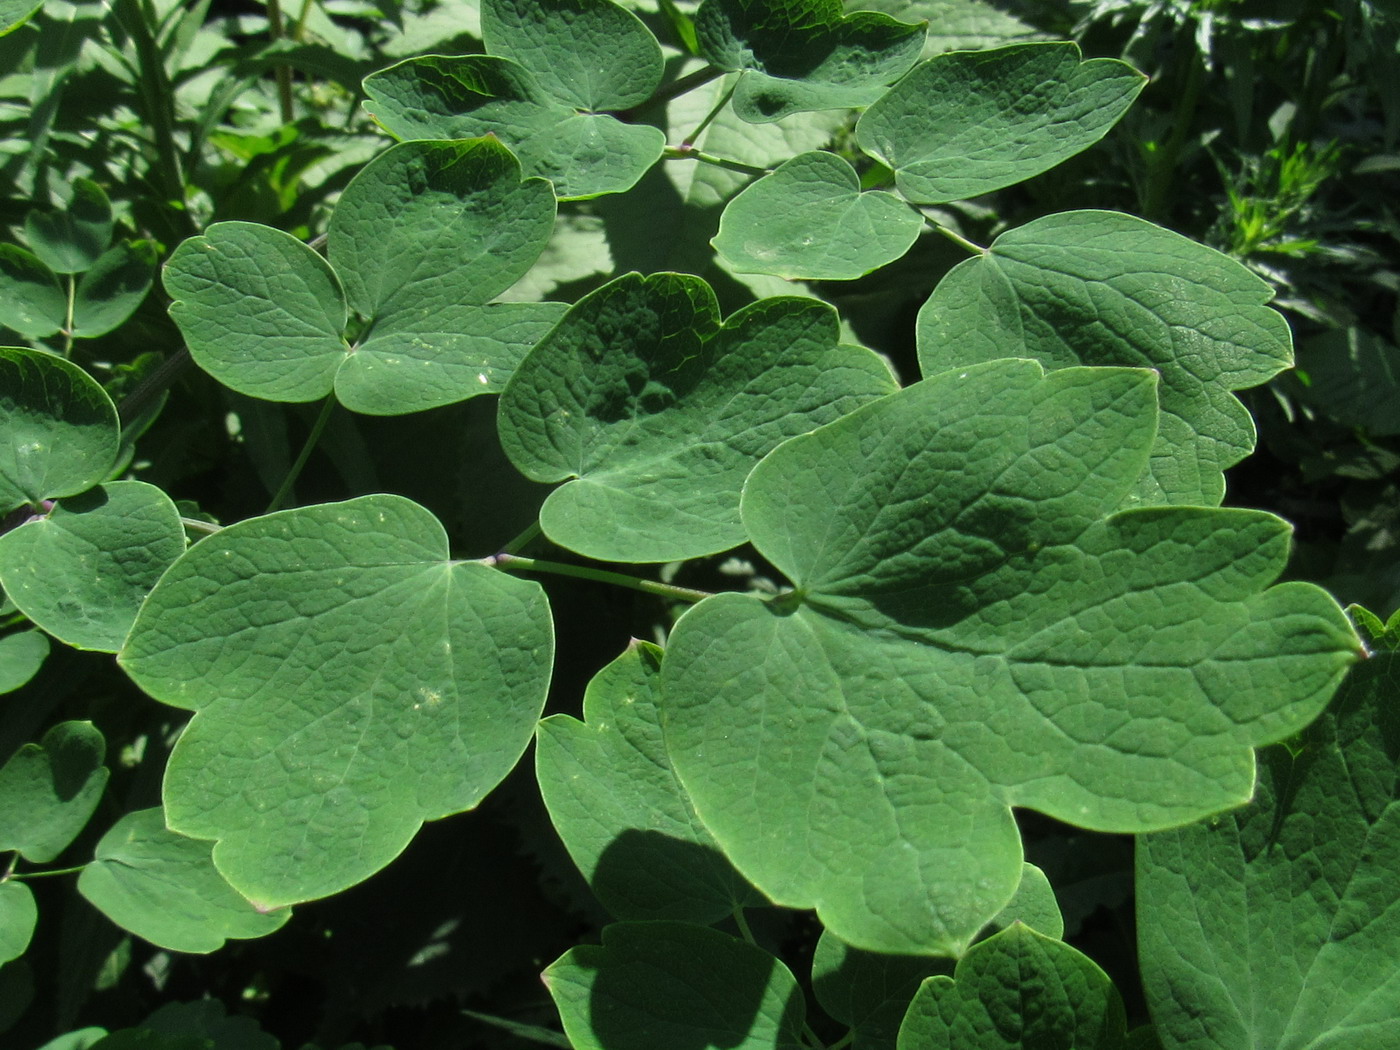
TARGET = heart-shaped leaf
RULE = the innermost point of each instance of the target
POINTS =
(48, 790)
(32, 301)
(583, 154)
(350, 682)
(1100, 288)
(113, 288)
(589, 54)
(810, 220)
(163, 887)
(1017, 990)
(654, 984)
(658, 412)
(800, 55)
(70, 240)
(82, 570)
(970, 632)
(58, 429)
(1279, 925)
(970, 122)
(619, 808)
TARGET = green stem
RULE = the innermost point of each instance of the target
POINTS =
(158, 98)
(743, 924)
(515, 563)
(195, 525)
(811, 1037)
(157, 382)
(68, 317)
(691, 153)
(46, 874)
(1162, 164)
(524, 540)
(954, 236)
(282, 71)
(844, 1041)
(311, 439)
(689, 141)
(689, 82)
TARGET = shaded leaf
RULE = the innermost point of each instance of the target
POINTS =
(1353, 377)
(32, 301)
(21, 656)
(48, 790)
(18, 914)
(71, 239)
(113, 289)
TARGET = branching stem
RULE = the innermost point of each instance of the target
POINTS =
(689, 141)
(691, 153)
(45, 874)
(954, 236)
(515, 563)
(689, 82)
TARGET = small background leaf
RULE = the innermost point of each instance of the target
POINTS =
(18, 914)
(1353, 377)
(48, 790)
(32, 301)
(21, 655)
(114, 287)
(71, 239)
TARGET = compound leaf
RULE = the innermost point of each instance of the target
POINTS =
(163, 887)
(810, 220)
(1279, 925)
(800, 55)
(623, 815)
(970, 631)
(71, 239)
(1100, 288)
(1017, 989)
(18, 915)
(48, 790)
(658, 412)
(82, 570)
(652, 984)
(969, 122)
(350, 682)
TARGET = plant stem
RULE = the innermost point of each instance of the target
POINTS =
(689, 140)
(195, 525)
(46, 874)
(524, 540)
(316, 430)
(811, 1037)
(68, 317)
(282, 72)
(743, 924)
(691, 153)
(157, 382)
(844, 1041)
(515, 563)
(953, 235)
(689, 82)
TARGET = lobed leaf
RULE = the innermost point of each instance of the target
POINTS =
(969, 122)
(1101, 288)
(349, 680)
(48, 790)
(653, 413)
(971, 630)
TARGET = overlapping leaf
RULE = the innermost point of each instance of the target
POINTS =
(809, 219)
(32, 301)
(350, 682)
(18, 916)
(21, 656)
(616, 803)
(82, 570)
(48, 790)
(797, 55)
(658, 412)
(421, 241)
(163, 887)
(1279, 925)
(971, 631)
(71, 240)
(653, 984)
(970, 122)
(1101, 288)
(112, 289)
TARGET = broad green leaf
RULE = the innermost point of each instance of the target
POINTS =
(1100, 288)
(971, 630)
(18, 914)
(70, 240)
(809, 219)
(58, 429)
(970, 122)
(1034, 904)
(163, 887)
(1018, 989)
(113, 289)
(21, 656)
(869, 992)
(1353, 377)
(583, 154)
(48, 790)
(260, 311)
(672, 984)
(350, 682)
(590, 54)
(804, 54)
(82, 570)
(1279, 925)
(81, 1039)
(32, 301)
(956, 25)
(657, 412)
(1377, 633)
(14, 13)
(623, 815)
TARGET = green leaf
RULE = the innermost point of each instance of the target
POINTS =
(658, 412)
(1100, 288)
(655, 984)
(14, 13)
(58, 429)
(800, 55)
(1279, 925)
(113, 289)
(1034, 904)
(261, 312)
(82, 1039)
(582, 154)
(623, 815)
(350, 682)
(82, 570)
(970, 122)
(206, 1019)
(48, 790)
(589, 54)
(71, 240)
(809, 219)
(32, 301)
(1377, 633)
(1353, 377)
(163, 887)
(957, 25)
(18, 915)
(969, 632)
(21, 656)
(869, 992)
(1017, 989)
